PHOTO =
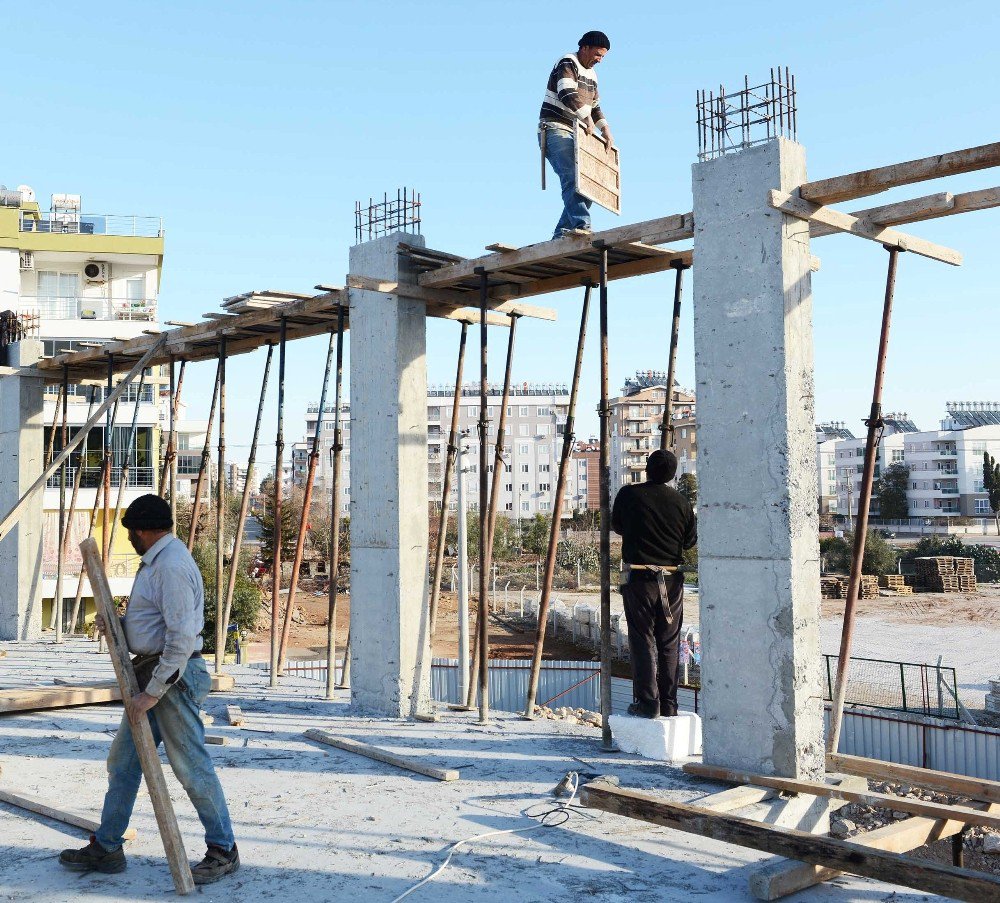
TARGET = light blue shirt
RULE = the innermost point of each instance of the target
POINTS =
(166, 610)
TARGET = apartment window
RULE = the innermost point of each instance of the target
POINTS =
(522, 411)
(543, 468)
(135, 288)
(525, 506)
(927, 503)
(509, 487)
(507, 468)
(983, 506)
(897, 456)
(522, 449)
(509, 506)
(525, 468)
(543, 487)
(544, 429)
(523, 429)
(52, 284)
(544, 506)
(489, 411)
(434, 413)
(525, 487)
(544, 412)
(684, 433)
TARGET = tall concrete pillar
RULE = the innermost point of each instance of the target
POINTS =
(22, 449)
(389, 517)
(758, 552)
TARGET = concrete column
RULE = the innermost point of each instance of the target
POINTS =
(388, 483)
(22, 450)
(758, 552)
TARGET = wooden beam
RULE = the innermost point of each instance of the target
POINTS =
(735, 798)
(817, 788)
(927, 207)
(874, 181)
(30, 804)
(142, 733)
(943, 781)
(844, 855)
(668, 228)
(235, 715)
(781, 877)
(844, 222)
(500, 248)
(381, 755)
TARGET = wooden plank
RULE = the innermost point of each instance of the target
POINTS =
(215, 740)
(874, 181)
(943, 781)
(816, 788)
(781, 877)
(844, 855)
(735, 798)
(235, 715)
(915, 210)
(142, 734)
(844, 222)
(667, 228)
(500, 248)
(381, 755)
(61, 815)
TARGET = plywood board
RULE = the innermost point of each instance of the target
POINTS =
(598, 171)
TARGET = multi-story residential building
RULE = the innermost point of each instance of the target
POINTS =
(536, 418)
(87, 279)
(827, 437)
(589, 453)
(850, 455)
(636, 417)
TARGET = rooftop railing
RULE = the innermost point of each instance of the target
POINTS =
(92, 224)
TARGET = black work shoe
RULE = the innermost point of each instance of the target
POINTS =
(94, 858)
(216, 864)
(638, 712)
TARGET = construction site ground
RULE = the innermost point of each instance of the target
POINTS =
(964, 629)
(314, 823)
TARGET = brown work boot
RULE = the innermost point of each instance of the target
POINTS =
(94, 858)
(216, 864)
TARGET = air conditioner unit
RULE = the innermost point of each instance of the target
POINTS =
(27, 260)
(96, 271)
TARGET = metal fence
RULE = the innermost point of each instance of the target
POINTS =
(898, 686)
(74, 223)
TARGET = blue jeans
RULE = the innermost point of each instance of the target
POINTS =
(560, 151)
(175, 721)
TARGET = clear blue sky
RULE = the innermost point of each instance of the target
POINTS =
(252, 128)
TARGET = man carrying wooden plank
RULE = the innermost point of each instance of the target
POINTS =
(571, 97)
(163, 625)
(656, 524)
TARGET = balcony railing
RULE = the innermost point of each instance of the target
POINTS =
(50, 308)
(138, 478)
(92, 224)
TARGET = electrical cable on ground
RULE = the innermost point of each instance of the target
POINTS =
(557, 814)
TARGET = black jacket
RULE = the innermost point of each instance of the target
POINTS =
(656, 523)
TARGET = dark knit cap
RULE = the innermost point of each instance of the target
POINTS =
(661, 466)
(595, 39)
(148, 512)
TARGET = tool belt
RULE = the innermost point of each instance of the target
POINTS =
(145, 665)
(653, 572)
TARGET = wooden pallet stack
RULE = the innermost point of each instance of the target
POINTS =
(833, 587)
(895, 582)
(869, 587)
(945, 574)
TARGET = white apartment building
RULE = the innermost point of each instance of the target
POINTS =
(827, 437)
(850, 461)
(84, 279)
(536, 418)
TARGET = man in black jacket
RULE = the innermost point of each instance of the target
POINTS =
(656, 524)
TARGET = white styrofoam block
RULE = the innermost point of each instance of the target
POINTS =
(663, 739)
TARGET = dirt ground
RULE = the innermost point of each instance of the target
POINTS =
(927, 609)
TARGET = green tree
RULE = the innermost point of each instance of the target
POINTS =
(535, 534)
(687, 485)
(291, 513)
(891, 492)
(246, 595)
(991, 483)
(880, 557)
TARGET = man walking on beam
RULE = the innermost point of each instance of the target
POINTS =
(163, 625)
(656, 524)
(571, 97)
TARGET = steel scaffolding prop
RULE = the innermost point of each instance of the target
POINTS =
(220, 512)
(279, 457)
(57, 596)
(605, 490)
(300, 539)
(123, 471)
(875, 426)
(206, 451)
(667, 426)
(106, 472)
(77, 480)
(169, 468)
(569, 438)
(484, 551)
(333, 569)
(234, 560)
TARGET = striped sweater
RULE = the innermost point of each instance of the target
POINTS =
(571, 96)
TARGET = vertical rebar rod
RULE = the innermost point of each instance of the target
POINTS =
(234, 560)
(77, 480)
(667, 423)
(106, 475)
(123, 470)
(550, 555)
(605, 489)
(875, 426)
(206, 450)
(220, 512)
(279, 455)
(333, 569)
(484, 641)
(57, 596)
(300, 539)
(449, 466)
